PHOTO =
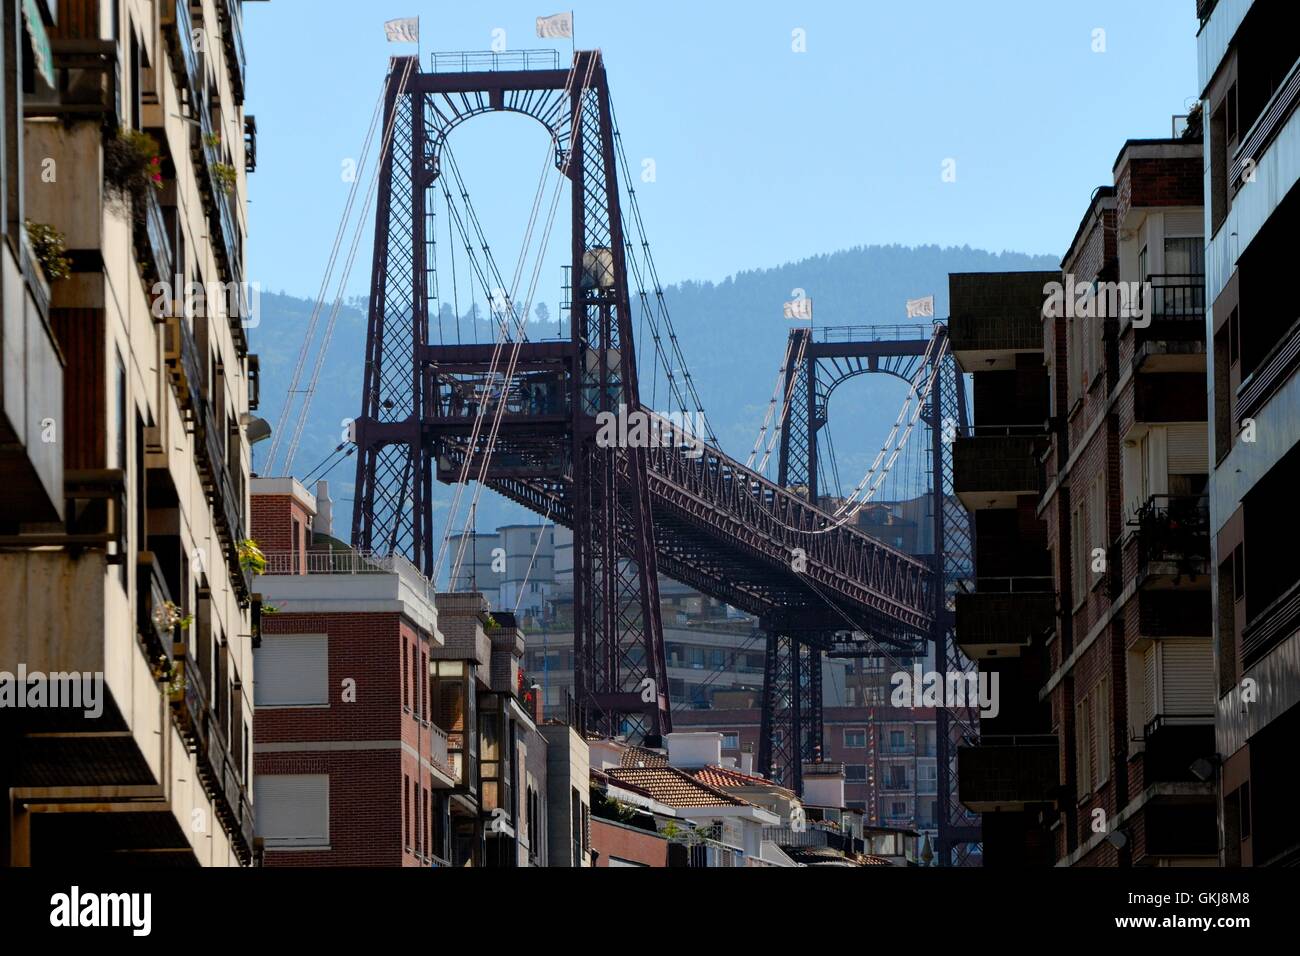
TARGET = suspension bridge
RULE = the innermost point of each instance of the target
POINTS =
(520, 417)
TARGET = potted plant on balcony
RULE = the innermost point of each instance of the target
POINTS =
(226, 176)
(131, 164)
(51, 249)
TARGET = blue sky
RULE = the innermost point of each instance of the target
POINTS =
(762, 154)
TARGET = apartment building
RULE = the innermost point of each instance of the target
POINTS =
(351, 765)
(1086, 473)
(398, 727)
(1248, 55)
(123, 454)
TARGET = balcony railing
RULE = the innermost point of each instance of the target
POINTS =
(1269, 375)
(1275, 622)
(153, 608)
(1173, 743)
(1005, 618)
(487, 61)
(1173, 535)
(347, 562)
(990, 466)
(178, 27)
(438, 747)
(1008, 772)
(232, 36)
(1177, 307)
(89, 83)
(1266, 127)
(152, 241)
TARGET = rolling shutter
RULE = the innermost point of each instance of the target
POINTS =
(1188, 449)
(292, 670)
(1149, 688)
(1187, 672)
(293, 809)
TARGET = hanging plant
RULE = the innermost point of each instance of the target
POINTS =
(212, 140)
(251, 558)
(168, 616)
(132, 164)
(51, 248)
(226, 177)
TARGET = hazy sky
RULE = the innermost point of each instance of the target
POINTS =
(762, 154)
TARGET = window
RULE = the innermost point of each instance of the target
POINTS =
(406, 812)
(292, 670)
(731, 740)
(898, 809)
(1102, 698)
(406, 688)
(1083, 746)
(293, 809)
(855, 738)
(897, 740)
(855, 772)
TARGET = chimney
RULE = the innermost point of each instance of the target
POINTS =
(324, 523)
(747, 759)
(692, 750)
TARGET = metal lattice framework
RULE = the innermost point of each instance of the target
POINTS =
(817, 365)
(680, 506)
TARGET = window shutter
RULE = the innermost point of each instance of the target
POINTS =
(292, 670)
(1187, 669)
(1188, 449)
(1149, 688)
(293, 809)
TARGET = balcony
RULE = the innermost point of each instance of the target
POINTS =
(155, 612)
(250, 144)
(1173, 743)
(232, 37)
(153, 242)
(1008, 773)
(178, 28)
(992, 624)
(88, 84)
(1270, 374)
(1271, 626)
(31, 395)
(1174, 341)
(1265, 129)
(996, 316)
(993, 471)
(1173, 542)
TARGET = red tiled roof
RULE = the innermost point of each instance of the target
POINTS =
(728, 777)
(673, 787)
(640, 757)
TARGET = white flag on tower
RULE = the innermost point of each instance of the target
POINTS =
(920, 308)
(556, 26)
(405, 30)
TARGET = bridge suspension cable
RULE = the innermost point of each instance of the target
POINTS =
(390, 128)
(282, 422)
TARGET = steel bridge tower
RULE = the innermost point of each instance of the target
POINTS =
(416, 422)
(792, 704)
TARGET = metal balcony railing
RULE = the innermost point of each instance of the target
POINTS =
(1271, 625)
(487, 61)
(1266, 127)
(178, 28)
(347, 562)
(153, 608)
(88, 80)
(1174, 529)
(996, 465)
(1270, 373)
(232, 36)
(152, 239)
(1008, 770)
